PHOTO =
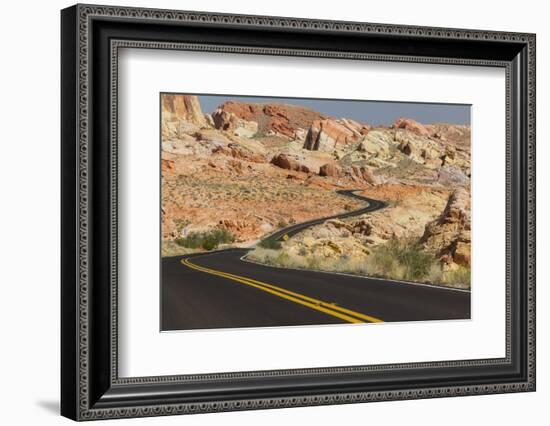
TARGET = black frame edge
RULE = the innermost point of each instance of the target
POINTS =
(69, 271)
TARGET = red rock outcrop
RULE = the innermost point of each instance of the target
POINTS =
(358, 129)
(362, 173)
(412, 126)
(285, 162)
(330, 169)
(228, 121)
(279, 119)
(328, 135)
(167, 166)
(455, 134)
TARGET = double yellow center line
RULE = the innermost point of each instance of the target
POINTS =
(328, 308)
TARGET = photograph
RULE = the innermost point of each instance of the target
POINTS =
(267, 207)
(282, 211)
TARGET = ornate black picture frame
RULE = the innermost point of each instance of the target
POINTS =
(91, 387)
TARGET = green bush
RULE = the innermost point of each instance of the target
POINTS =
(416, 263)
(382, 263)
(270, 244)
(207, 240)
(404, 258)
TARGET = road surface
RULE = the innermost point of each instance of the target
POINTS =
(219, 289)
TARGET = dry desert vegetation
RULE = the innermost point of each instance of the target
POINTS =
(232, 177)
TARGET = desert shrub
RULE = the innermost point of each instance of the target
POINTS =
(396, 260)
(416, 263)
(314, 263)
(460, 277)
(435, 276)
(263, 255)
(382, 263)
(193, 240)
(270, 244)
(405, 259)
(401, 259)
(283, 259)
(282, 224)
(276, 258)
(171, 248)
(207, 240)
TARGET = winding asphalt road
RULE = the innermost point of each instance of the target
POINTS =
(219, 289)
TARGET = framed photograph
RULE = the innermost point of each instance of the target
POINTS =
(263, 212)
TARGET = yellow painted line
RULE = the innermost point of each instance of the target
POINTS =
(319, 305)
(291, 293)
(276, 293)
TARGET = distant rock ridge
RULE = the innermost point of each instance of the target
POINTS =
(412, 126)
(273, 118)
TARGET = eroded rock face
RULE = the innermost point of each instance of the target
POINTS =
(229, 122)
(412, 126)
(330, 169)
(167, 166)
(243, 228)
(329, 135)
(332, 240)
(281, 120)
(452, 176)
(376, 143)
(420, 149)
(181, 109)
(362, 173)
(455, 134)
(358, 129)
(288, 163)
(449, 234)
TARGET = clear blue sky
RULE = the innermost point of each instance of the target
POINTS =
(370, 112)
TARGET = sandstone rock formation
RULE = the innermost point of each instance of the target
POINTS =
(362, 173)
(283, 120)
(411, 126)
(330, 169)
(288, 163)
(239, 152)
(452, 176)
(449, 234)
(332, 240)
(167, 166)
(228, 121)
(419, 149)
(377, 144)
(329, 135)
(455, 134)
(358, 129)
(178, 111)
